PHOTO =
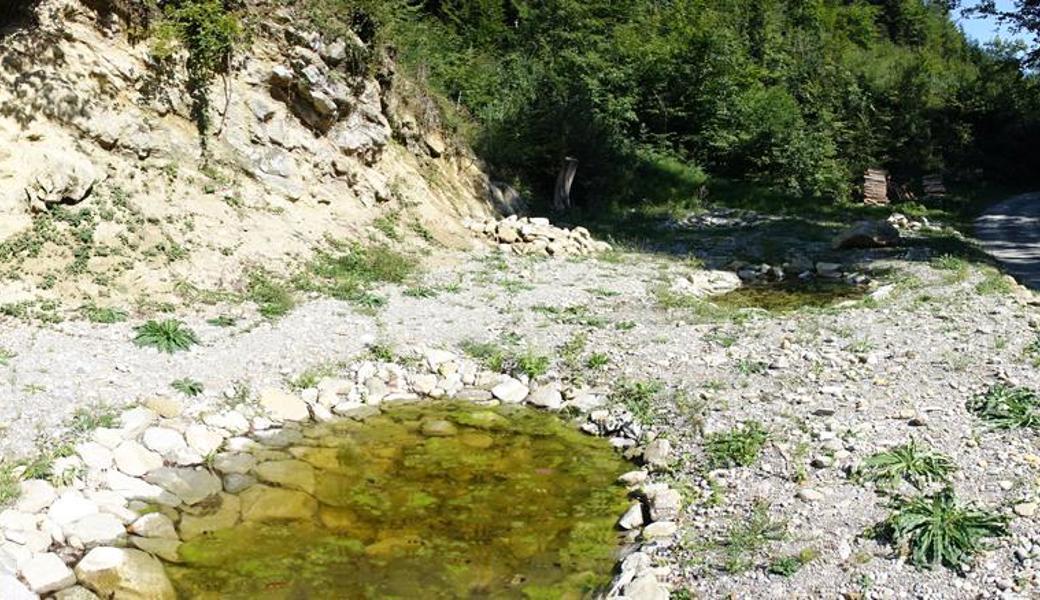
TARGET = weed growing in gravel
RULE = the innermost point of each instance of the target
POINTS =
(420, 291)
(1007, 407)
(9, 488)
(957, 267)
(222, 321)
(532, 364)
(786, 566)
(1032, 351)
(380, 352)
(993, 283)
(271, 296)
(168, 336)
(748, 536)
(638, 398)
(936, 529)
(748, 367)
(187, 386)
(701, 310)
(105, 315)
(490, 354)
(85, 420)
(625, 325)
(310, 376)
(737, 447)
(597, 360)
(349, 272)
(916, 465)
(5, 356)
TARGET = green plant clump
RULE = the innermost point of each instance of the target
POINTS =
(1007, 407)
(169, 335)
(737, 447)
(917, 465)
(638, 398)
(936, 529)
(187, 386)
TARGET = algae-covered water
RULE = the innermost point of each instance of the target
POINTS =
(424, 501)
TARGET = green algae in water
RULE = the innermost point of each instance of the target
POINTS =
(788, 296)
(500, 503)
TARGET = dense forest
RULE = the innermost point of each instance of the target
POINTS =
(653, 97)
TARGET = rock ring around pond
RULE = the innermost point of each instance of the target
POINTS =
(142, 496)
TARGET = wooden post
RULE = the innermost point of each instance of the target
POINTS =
(562, 195)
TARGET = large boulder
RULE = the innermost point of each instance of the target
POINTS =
(66, 177)
(125, 574)
(868, 234)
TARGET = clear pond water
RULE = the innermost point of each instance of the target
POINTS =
(425, 501)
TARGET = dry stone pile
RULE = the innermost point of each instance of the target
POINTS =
(98, 534)
(536, 235)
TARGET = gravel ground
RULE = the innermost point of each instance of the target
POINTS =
(831, 386)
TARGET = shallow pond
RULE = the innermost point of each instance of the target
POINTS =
(423, 501)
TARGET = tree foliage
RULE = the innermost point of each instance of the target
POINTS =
(798, 95)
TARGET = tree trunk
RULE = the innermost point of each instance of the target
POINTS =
(562, 196)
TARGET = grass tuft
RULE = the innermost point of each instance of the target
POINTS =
(638, 398)
(273, 298)
(168, 336)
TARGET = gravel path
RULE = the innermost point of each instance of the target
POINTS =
(1010, 231)
(831, 386)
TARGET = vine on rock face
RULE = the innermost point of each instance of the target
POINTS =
(208, 30)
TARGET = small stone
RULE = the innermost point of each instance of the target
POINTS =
(136, 460)
(263, 503)
(810, 495)
(438, 428)
(222, 513)
(136, 420)
(660, 530)
(102, 529)
(294, 474)
(228, 462)
(203, 440)
(1026, 509)
(36, 495)
(12, 589)
(94, 455)
(822, 462)
(646, 587)
(283, 405)
(124, 573)
(71, 507)
(546, 396)
(510, 391)
(154, 525)
(164, 441)
(658, 453)
(75, 592)
(235, 483)
(633, 478)
(633, 517)
(190, 485)
(164, 548)
(47, 573)
(166, 407)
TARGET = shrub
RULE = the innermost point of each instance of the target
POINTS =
(169, 335)
(272, 298)
(936, 529)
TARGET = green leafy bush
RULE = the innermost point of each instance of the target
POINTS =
(1007, 407)
(918, 466)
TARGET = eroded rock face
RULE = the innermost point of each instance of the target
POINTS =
(124, 573)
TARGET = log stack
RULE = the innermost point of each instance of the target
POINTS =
(875, 187)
